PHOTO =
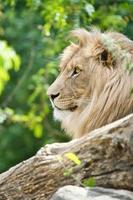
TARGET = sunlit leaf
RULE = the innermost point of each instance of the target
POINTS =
(8, 60)
(89, 9)
(71, 156)
(38, 130)
(3, 116)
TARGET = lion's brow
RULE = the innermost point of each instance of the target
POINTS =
(67, 55)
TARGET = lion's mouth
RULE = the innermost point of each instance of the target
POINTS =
(73, 108)
(68, 109)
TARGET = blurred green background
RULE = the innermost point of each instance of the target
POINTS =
(32, 35)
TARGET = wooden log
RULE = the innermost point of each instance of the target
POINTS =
(106, 154)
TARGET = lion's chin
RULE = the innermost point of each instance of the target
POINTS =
(60, 115)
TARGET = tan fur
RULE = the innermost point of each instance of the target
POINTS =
(102, 89)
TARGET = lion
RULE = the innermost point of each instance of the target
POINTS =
(94, 86)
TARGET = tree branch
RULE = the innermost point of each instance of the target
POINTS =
(105, 154)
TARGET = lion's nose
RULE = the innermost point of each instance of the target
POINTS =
(53, 96)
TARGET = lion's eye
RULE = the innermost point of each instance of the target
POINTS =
(76, 71)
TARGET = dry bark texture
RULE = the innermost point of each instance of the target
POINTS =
(106, 154)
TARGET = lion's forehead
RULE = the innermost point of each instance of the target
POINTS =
(75, 54)
(67, 54)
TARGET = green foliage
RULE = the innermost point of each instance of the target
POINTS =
(90, 182)
(8, 60)
(37, 30)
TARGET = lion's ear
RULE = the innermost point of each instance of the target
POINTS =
(106, 59)
(104, 56)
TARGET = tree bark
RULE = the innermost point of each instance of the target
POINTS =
(106, 154)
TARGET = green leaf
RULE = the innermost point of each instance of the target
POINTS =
(71, 156)
(38, 130)
(8, 60)
(89, 9)
(90, 182)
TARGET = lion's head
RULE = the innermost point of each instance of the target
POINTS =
(93, 87)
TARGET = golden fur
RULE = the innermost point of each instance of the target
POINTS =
(93, 87)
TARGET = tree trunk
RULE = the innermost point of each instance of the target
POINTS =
(106, 154)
